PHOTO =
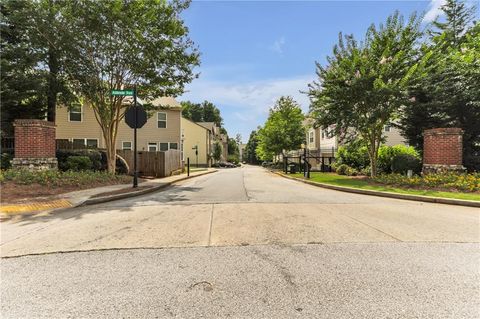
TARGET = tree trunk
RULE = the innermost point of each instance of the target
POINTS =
(111, 153)
(52, 90)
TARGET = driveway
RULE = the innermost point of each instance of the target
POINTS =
(276, 248)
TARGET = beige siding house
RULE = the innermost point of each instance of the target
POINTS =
(196, 137)
(161, 132)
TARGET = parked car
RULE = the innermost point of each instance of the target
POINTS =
(265, 163)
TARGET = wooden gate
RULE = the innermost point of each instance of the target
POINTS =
(157, 164)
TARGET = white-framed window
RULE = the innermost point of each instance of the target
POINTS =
(85, 142)
(310, 137)
(163, 147)
(91, 142)
(387, 128)
(127, 145)
(152, 147)
(75, 113)
(161, 120)
(173, 146)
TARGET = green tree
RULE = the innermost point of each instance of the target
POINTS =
(458, 16)
(122, 43)
(33, 45)
(232, 148)
(283, 130)
(201, 112)
(217, 151)
(250, 155)
(448, 95)
(364, 85)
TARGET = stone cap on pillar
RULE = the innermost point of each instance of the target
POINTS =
(33, 122)
(443, 131)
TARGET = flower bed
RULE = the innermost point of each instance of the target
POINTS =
(446, 181)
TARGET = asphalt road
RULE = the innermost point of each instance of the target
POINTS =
(244, 243)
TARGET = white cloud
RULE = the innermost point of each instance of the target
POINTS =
(245, 105)
(435, 9)
(278, 45)
(255, 96)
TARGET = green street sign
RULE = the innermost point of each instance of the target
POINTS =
(122, 92)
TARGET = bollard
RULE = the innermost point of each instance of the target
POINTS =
(188, 166)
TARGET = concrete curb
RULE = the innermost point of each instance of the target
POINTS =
(104, 199)
(418, 198)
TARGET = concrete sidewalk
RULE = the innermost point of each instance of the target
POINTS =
(90, 196)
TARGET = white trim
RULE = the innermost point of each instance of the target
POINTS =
(151, 144)
(84, 140)
(81, 115)
(166, 118)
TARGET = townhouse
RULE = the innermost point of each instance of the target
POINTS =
(78, 126)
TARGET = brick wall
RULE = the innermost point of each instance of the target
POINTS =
(442, 146)
(34, 139)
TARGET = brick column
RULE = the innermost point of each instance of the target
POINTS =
(34, 145)
(442, 150)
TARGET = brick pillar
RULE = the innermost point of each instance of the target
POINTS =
(442, 150)
(34, 145)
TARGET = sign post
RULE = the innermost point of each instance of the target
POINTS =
(135, 117)
(135, 171)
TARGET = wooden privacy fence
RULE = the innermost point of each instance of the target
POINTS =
(157, 164)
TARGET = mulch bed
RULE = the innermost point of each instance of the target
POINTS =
(18, 193)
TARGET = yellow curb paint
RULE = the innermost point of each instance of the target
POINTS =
(22, 208)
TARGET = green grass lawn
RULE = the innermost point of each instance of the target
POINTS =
(346, 181)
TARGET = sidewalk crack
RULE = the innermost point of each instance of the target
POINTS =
(210, 226)
(381, 231)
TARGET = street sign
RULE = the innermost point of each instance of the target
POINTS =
(123, 92)
(141, 116)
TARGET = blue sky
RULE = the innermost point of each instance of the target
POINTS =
(253, 52)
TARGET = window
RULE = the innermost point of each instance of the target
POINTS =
(387, 128)
(78, 143)
(163, 147)
(92, 143)
(75, 113)
(174, 146)
(85, 142)
(152, 147)
(162, 119)
(311, 137)
(127, 145)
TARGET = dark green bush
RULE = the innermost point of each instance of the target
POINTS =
(5, 161)
(401, 163)
(386, 154)
(78, 163)
(95, 157)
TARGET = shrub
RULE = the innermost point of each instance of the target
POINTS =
(233, 159)
(386, 154)
(95, 156)
(350, 171)
(55, 178)
(78, 163)
(342, 169)
(354, 154)
(401, 163)
(5, 161)
(365, 171)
